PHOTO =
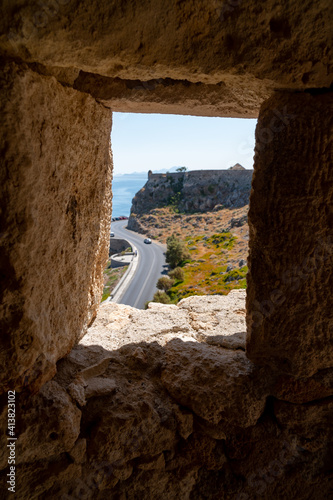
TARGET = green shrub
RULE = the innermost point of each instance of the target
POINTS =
(176, 251)
(165, 283)
(161, 297)
(177, 274)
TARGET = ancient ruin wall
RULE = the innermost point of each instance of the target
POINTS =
(197, 190)
(164, 403)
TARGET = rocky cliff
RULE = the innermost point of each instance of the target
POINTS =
(195, 191)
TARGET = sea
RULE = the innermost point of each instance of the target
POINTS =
(124, 187)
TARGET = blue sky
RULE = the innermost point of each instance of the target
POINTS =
(142, 142)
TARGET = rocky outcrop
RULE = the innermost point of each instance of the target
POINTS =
(135, 224)
(194, 191)
(164, 402)
(55, 219)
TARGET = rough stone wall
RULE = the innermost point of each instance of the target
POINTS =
(219, 58)
(204, 190)
(197, 190)
(55, 220)
(185, 413)
(164, 403)
(117, 245)
(290, 283)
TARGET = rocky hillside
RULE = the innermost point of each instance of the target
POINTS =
(195, 191)
(216, 238)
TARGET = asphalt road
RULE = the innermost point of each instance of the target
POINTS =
(151, 266)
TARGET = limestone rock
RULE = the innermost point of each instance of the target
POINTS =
(218, 320)
(174, 58)
(79, 450)
(312, 423)
(55, 216)
(48, 424)
(273, 464)
(39, 477)
(163, 413)
(176, 96)
(133, 422)
(304, 390)
(289, 304)
(217, 384)
(117, 325)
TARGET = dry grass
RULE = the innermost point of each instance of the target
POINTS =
(217, 241)
(111, 279)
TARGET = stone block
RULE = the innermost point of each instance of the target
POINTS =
(290, 283)
(55, 220)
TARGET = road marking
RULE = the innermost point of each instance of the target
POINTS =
(147, 278)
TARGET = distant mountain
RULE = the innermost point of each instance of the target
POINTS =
(132, 175)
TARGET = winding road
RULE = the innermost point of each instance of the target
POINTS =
(151, 266)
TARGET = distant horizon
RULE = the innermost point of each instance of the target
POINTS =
(143, 142)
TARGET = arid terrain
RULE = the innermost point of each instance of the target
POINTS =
(217, 242)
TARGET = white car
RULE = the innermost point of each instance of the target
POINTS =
(147, 240)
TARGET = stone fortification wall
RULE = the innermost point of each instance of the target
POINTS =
(163, 177)
(118, 245)
(198, 190)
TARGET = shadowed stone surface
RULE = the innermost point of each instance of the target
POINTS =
(49, 422)
(218, 385)
(290, 283)
(143, 407)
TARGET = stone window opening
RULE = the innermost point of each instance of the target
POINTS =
(197, 201)
(164, 410)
